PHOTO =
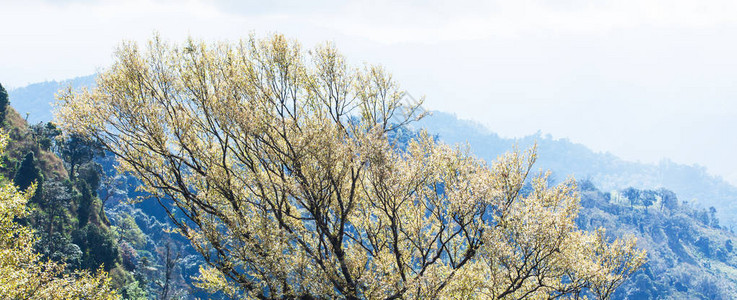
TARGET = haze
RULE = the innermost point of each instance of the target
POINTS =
(644, 80)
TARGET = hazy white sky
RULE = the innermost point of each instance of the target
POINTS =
(644, 80)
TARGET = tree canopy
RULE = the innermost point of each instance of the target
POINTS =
(282, 167)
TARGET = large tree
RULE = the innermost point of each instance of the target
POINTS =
(281, 167)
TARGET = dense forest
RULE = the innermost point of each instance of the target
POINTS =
(89, 213)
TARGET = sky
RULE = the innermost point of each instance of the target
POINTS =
(644, 80)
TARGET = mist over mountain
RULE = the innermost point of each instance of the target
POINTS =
(608, 172)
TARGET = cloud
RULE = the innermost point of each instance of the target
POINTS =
(439, 21)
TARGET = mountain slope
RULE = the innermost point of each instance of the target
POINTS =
(70, 226)
(689, 255)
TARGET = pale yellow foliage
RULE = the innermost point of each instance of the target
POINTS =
(285, 175)
(23, 275)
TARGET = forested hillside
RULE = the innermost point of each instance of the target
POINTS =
(689, 255)
(82, 216)
(69, 222)
(40, 210)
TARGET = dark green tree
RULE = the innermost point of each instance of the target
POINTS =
(58, 247)
(91, 173)
(3, 104)
(728, 245)
(76, 151)
(98, 246)
(703, 244)
(27, 173)
(713, 220)
(57, 200)
(45, 135)
(85, 203)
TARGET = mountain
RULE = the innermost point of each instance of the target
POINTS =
(689, 256)
(34, 101)
(692, 183)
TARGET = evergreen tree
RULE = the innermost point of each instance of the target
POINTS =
(3, 103)
(98, 246)
(669, 200)
(632, 194)
(27, 173)
(90, 173)
(85, 201)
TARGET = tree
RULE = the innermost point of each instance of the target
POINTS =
(76, 151)
(90, 173)
(171, 257)
(27, 174)
(85, 203)
(648, 197)
(54, 206)
(714, 222)
(23, 275)
(45, 135)
(280, 171)
(668, 199)
(3, 104)
(98, 246)
(633, 195)
(728, 245)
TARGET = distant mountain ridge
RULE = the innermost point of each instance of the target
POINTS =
(563, 157)
(35, 100)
